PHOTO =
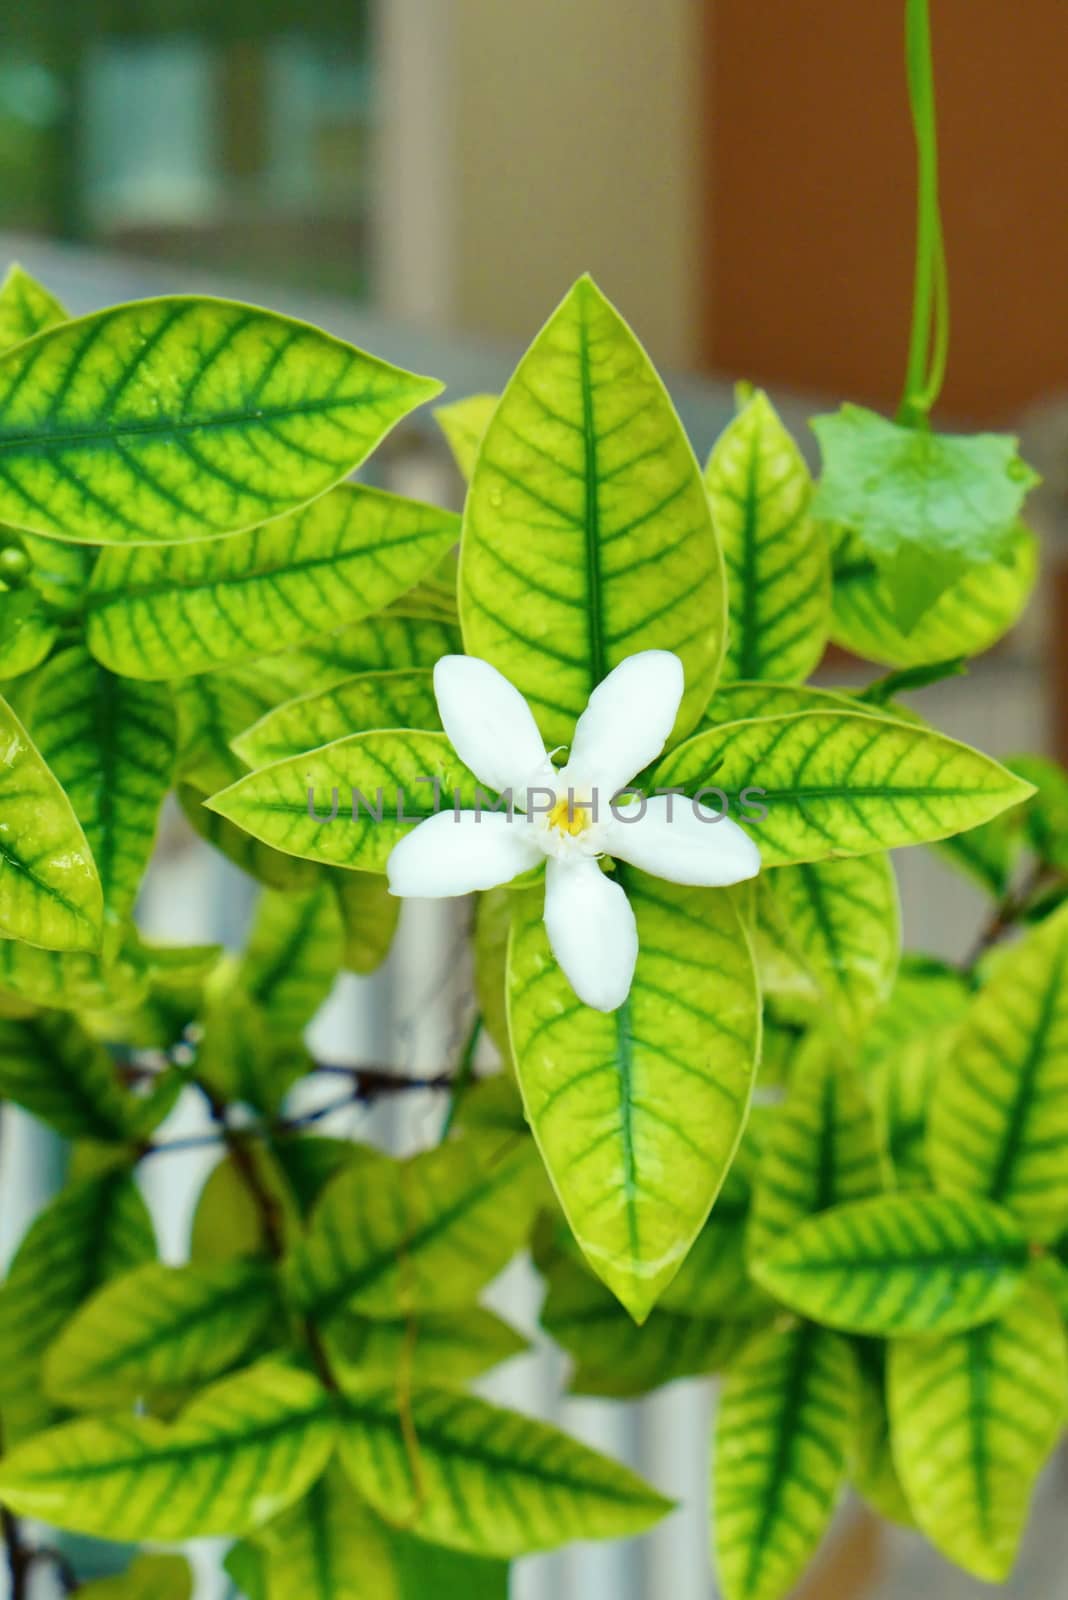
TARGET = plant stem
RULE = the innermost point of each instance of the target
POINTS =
(1008, 912)
(18, 1556)
(930, 297)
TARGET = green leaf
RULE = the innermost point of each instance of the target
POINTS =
(212, 708)
(926, 507)
(1046, 818)
(27, 632)
(93, 1231)
(433, 598)
(292, 957)
(158, 1331)
(26, 307)
(899, 1264)
(228, 1223)
(871, 1461)
(999, 1108)
(493, 923)
(192, 607)
(246, 1567)
(384, 783)
(835, 784)
(369, 917)
(72, 979)
(844, 921)
(782, 1433)
(181, 417)
(714, 1280)
(149, 1577)
(378, 644)
(587, 532)
(429, 1569)
(975, 1416)
(436, 1346)
(638, 1112)
(464, 423)
(241, 1452)
(777, 558)
(329, 1546)
(988, 854)
(614, 1357)
(419, 1235)
(969, 615)
(111, 744)
(51, 1067)
(452, 1469)
(371, 700)
(821, 1149)
(50, 892)
(741, 702)
(269, 867)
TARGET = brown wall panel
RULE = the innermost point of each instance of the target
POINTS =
(809, 226)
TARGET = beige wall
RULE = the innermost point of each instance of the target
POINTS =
(575, 146)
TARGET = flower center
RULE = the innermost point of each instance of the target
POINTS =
(570, 817)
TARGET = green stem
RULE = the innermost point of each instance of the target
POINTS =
(929, 339)
(464, 1072)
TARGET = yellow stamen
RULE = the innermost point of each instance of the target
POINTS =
(570, 817)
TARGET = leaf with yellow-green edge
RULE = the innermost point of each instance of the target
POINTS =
(492, 1104)
(169, 611)
(111, 743)
(272, 868)
(464, 423)
(348, 803)
(184, 417)
(27, 631)
(433, 1346)
(493, 922)
(175, 976)
(50, 894)
(368, 700)
(899, 1264)
(836, 784)
(378, 644)
(612, 1356)
(638, 1112)
(51, 1067)
(779, 1457)
(369, 917)
(26, 307)
(871, 1460)
(241, 1055)
(587, 531)
(988, 854)
(998, 1119)
(844, 922)
(927, 992)
(785, 981)
(967, 618)
(419, 1235)
(777, 556)
(742, 702)
(821, 1149)
(95, 1230)
(329, 1546)
(241, 1452)
(974, 1417)
(149, 1577)
(158, 1331)
(453, 1469)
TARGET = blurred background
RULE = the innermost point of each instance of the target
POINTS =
(426, 177)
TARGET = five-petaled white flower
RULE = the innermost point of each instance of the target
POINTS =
(569, 816)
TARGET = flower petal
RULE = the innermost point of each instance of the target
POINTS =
(592, 931)
(671, 841)
(489, 724)
(449, 854)
(627, 721)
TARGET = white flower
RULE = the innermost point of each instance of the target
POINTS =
(566, 817)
